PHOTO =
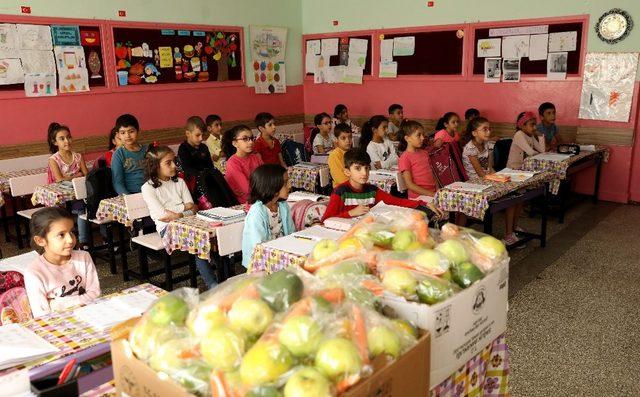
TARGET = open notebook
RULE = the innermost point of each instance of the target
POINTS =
(551, 156)
(20, 345)
(467, 187)
(302, 242)
(343, 224)
(111, 312)
(301, 195)
(221, 214)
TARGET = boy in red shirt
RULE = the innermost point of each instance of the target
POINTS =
(356, 196)
(267, 146)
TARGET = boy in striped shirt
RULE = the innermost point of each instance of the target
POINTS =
(356, 196)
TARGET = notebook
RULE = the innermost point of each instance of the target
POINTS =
(317, 233)
(306, 164)
(467, 187)
(516, 175)
(384, 173)
(111, 312)
(221, 214)
(301, 195)
(343, 224)
(292, 245)
(551, 156)
(20, 345)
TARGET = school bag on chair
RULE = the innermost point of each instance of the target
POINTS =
(307, 212)
(444, 167)
(14, 304)
(99, 187)
(212, 184)
(501, 153)
(293, 152)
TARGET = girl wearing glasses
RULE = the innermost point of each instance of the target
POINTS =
(237, 143)
(321, 135)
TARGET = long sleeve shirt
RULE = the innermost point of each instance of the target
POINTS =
(522, 146)
(239, 171)
(170, 196)
(345, 198)
(336, 166)
(51, 287)
(384, 152)
(127, 170)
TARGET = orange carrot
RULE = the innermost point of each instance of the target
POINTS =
(335, 258)
(373, 286)
(366, 220)
(218, 386)
(249, 291)
(414, 267)
(333, 295)
(421, 228)
(299, 308)
(359, 334)
(346, 382)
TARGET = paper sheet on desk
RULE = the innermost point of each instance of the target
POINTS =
(115, 310)
(20, 345)
(551, 156)
(317, 233)
(292, 245)
(467, 187)
(16, 384)
(517, 175)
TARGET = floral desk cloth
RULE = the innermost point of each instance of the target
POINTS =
(113, 209)
(559, 168)
(486, 374)
(383, 181)
(269, 260)
(5, 176)
(53, 194)
(475, 204)
(309, 177)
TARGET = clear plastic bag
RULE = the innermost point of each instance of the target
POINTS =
(484, 251)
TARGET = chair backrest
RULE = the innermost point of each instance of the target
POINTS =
(293, 152)
(400, 183)
(80, 187)
(136, 206)
(443, 166)
(501, 153)
(98, 187)
(229, 238)
(24, 185)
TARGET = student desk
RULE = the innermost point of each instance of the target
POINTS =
(270, 260)
(53, 194)
(562, 170)
(75, 339)
(384, 179)
(309, 176)
(499, 196)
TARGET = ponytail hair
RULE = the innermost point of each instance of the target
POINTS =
(472, 125)
(52, 131)
(445, 119)
(407, 127)
(367, 130)
(152, 165)
(228, 137)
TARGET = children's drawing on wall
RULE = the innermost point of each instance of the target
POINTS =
(34, 37)
(489, 47)
(320, 75)
(515, 47)
(268, 48)
(538, 44)
(11, 71)
(557, 66)
(608, 85)
(511, 70)
(563, 41)
(73, 80)
(70, 57)
(8, 41)
(36, 61)
(492, 70)
(151, 73)
(40, 84)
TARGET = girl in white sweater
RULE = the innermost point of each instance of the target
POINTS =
(379, 147)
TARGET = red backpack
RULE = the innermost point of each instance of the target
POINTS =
(446, 165)
(14, 304)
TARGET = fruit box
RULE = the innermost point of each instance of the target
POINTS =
(407, 376)
(461, 326)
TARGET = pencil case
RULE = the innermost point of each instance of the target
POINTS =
(565, 148)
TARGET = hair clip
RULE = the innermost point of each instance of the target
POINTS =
(155, 144)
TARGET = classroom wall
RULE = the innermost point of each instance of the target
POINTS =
(26, 119)
(499, 102)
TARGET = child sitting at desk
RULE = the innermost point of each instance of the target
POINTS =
(375, 141)
(321, 139)
(267, 146)
(237, 143)
(343, 135)
(214, 141)
(127, 164)
(547, 126)
(60, 277)
(396, 116)
(356, 196)
(525, 141)
(168, 198)
(269, 216)
(414, 162)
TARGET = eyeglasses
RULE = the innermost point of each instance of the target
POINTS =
(327, 123)
(246, 139)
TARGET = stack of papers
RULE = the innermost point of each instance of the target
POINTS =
(343, 224)
(301, 195)
(292, 245)
(317, 233)
(105, 315)
(467, 187)
(551, 156)
(306, 164)
(384, 173)
(517, 175)
(221, 214)
(20, 345)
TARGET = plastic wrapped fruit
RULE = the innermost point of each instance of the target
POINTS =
(265, 362)
(432, 290)
(466, 274)
(280, 289)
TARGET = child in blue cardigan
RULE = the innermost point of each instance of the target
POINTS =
(269, 216)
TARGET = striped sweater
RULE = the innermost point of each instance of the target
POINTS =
(345, 198)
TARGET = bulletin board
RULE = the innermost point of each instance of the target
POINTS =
(335, 60)
(92, 45)
(436, 53)
(145, 56)
(536, 67)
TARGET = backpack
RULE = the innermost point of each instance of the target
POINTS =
(444, 166)
(14, 304)
(305, 213)
(212, 184)
(99, 187)
(501, 154)
(293, 152)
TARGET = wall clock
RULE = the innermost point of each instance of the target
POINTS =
(614, 26)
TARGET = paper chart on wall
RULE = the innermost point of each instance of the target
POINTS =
(268, 45)
(511, 70)
(310, 62)
(320, 71)
(329, 47)
(36, 61)
(65, 35)
(488, 48)
(608, 85)
(515, 47)
(69, 57)
(492, 70)
(335, 74)
(404, 46)
(358, 45)
(357, 59)
(40, 84)
(34, 37)
(557, 66)
(388, 70)
(538, 44)
(273, 80)
(313, 47)
(563, 41)
(353, 75)
(73, 80)
(386, 50)
(166, 57)
(11, 71)
(9, 41)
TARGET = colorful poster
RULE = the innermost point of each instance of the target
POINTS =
(90, 38)
(65, 35)
(40, 84)
(563, 41)
(538, 44)
(492, 70)
(268, 48)
(357, 59)
(557, 66)
(388, 70)
(35, 61)
(166, 57)
(488, 48)
(607, 87)
(404, 46)
(73, 80)
(70, 57)
(8, 41)
(515, 47)
(386, 50)
(313, 47)
(329, 47)
(34, 37)
(11, 71)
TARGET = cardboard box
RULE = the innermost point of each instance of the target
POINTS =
(461, 326)
(408, 376)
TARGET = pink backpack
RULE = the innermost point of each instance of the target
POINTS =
(307, 212)
(14, 304)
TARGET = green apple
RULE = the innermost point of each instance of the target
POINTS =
(307, 382)
(169, 309)
(406, 327)
(348, 267)
(264, 391)
(222, 348)
(204, 319)
(400, 281)
(337, 358)
(167, 358)
(433, 290)
(146, 337)
(324, 249)
(382, 238)
(454, 251)
(251, 316)
(403, 240)
(446, 275)
(466, 274)
(414, 246)
(265, 362)
(490, 246)
(301, 335)
(381, 339)
(431, 261)
(280, 289)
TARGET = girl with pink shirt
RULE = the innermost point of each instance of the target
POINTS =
(237, 143)
(447, 129)
(414, 161)
(60, 277)
(64, 164)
